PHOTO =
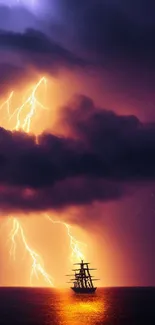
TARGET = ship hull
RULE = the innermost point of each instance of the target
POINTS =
(84, 290)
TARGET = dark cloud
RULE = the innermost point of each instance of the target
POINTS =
(102, 154)
(107, 33)
(122, 145)
(38, 50)
(108, 30)
(79, 191)
(112, 31)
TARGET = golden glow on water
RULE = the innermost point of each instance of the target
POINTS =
(62, 307)
(80, 310)
(85, 307)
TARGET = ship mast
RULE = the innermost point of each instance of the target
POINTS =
(82, 277)
(90, 278)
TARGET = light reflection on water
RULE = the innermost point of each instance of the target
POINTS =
(80, 309)
(111, 306)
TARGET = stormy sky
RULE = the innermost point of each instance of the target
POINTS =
(100, 154)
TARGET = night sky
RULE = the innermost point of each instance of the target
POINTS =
(96, 150)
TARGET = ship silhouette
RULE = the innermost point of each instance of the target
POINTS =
(82, 279)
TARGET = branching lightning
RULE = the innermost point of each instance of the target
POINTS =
(25, 113)
(37, 263)
(23, 116)
(76, 252)
(31, 103)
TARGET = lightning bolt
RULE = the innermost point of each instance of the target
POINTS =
(31, 103)
(37, 263)
(6, 104)
(27, 110)
(12, 236)
(75, 245)
(23, 116)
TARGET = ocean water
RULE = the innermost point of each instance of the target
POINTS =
(115, 306)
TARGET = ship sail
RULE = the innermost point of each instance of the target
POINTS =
(82, 280)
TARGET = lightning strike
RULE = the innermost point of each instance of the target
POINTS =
(31, 103)
(27, 111)
(23, 116)
(76, 252)
(37, 263)
(6, 104)
(13, 233)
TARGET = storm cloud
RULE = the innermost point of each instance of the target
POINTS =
(114, 33)
(101, 155)
(38, 51)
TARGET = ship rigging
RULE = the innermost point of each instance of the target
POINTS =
(82, 280)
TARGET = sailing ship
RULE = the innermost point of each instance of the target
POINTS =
(82, 279)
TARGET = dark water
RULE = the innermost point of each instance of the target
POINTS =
(119, 306)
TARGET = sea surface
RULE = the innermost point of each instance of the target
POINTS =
(110, 306)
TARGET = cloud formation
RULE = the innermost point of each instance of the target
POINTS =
(102, 153)
(107, 30)
(38, 50)
(115, 31)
